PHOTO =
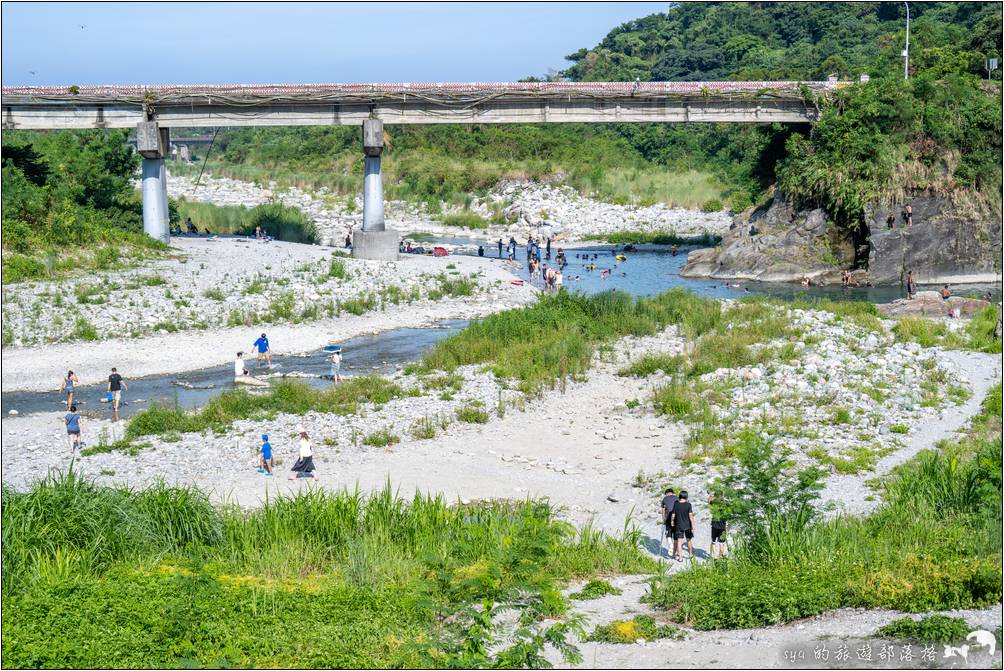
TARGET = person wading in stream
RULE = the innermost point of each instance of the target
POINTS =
(67, 386)
(264, 352)
(115, 386)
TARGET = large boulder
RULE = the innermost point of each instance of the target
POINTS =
(931, 304)
(788, 246)
(944, 245)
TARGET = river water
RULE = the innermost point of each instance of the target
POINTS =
(643, 273)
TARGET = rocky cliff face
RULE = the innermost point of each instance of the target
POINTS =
(788, 245)
(941, 246)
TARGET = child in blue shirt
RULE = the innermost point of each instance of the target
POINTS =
(265, 459)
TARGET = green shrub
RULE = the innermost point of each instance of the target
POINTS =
(21, 268)
(337, 270)
(473, 413)
(465, 219)
(930, 629)
(640, 627)
(713, 205)
(594, 589)
(381, 438)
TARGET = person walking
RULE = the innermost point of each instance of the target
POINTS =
(911, 286)
(72, 421)
(264, 352)
(67, 387)
(718, 524)
(666, 510)
(115, 386)
(683, 521)
(265, 456)
(304, 466)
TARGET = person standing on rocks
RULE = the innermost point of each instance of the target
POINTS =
(549, 249)
(666, 507)
(264, 351)
(908, 215)
(500, 248)
(72, 421)
(304, 466)
(265, 458)
(115, 386)
(911, 286)
(682, 519)
(67, 386)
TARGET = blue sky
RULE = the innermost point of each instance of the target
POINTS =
(181, 43)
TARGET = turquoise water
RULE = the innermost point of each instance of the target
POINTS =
(650, 271)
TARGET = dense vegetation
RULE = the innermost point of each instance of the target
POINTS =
(556, 337)
(102, 577)
(940, 131)
(933, 544)
(276, 220)
(69, 203)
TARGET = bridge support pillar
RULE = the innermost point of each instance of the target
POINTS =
(374, 240)
(152, 143)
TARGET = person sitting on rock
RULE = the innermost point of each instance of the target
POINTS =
(191, 227)
(945, 292)
(890, 221)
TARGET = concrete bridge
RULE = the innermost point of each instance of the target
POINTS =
(153, 110)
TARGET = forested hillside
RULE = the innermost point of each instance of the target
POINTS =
(940, 129)
(69, 203)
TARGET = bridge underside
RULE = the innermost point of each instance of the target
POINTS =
(350, 104)
(35, 116)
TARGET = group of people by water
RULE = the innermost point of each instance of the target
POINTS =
(116, 383)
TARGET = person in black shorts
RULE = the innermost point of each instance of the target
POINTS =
(668, 499)
(682, 520)
(717, 529)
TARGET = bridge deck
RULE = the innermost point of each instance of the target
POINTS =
(40, 107)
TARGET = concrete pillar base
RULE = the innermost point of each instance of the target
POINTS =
(375, 245)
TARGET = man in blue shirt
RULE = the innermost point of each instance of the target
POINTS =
(261, 344)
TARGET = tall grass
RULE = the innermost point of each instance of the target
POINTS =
(976, 335)
(97, 576)
(279, 221)
(284, 397)
(555, 338)
(933, 544)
